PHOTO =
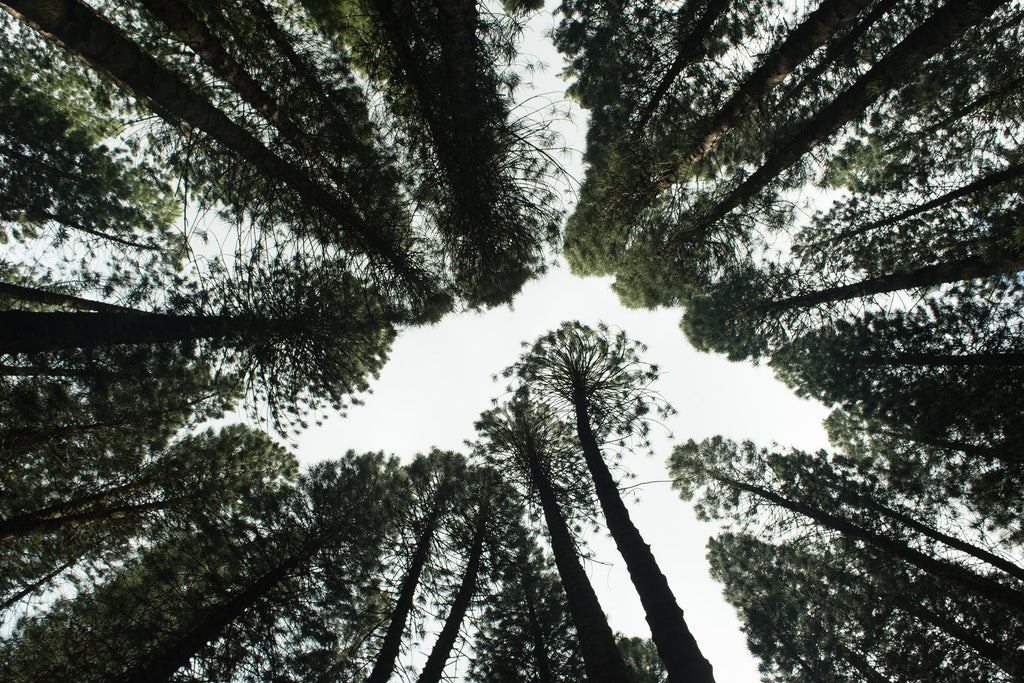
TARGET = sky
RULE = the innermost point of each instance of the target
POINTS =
(440, 378)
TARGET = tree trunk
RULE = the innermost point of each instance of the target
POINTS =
(601, 658)
(969, 268)
(991, 180)
(208, 626)
(434, 668)
(79, 29)
(540, 649)
(20, 527)
(953, 542)
(676, 645)
(29, 331)
(816, 29)
(689, 47)
(1009, 598)
(392, 642)
(36, 585)
(901, 63)
(41, 296)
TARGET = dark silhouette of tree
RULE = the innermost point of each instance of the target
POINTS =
(596, 380)
(527, 442)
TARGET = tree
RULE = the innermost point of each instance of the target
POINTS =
(285, 580)
(596, 380)
(733, 480)
(526, 630)
(813, 612)
(531, 445)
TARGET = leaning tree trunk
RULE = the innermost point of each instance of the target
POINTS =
(540, 648)
(1000, 594)
(20, 527)
(801, 43)
(209, 625)
(29, 331)
(677, 647)
(392, 642)
(969, 268)
(67, 301)
(434, 668)
(901, 63)
(78, 28)
(601, 658)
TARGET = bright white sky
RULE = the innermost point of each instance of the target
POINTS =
(439, 379)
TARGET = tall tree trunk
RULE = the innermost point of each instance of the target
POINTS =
(434, 668)
(901, 63)
(689, 45)
(29, 331)
(676, 645)
(1009, 598)
(208, 626)
(968, 268)
(79, 29)
(816, 29)
(29, 525)
(46, 298)
(936, 535)
(392, 642)
(601, 659)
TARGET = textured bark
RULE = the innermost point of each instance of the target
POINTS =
(79, 29)
(969, 268)
(434, 668)
(41, 296)
(208, 626)
(689, 47)
(392, 642)
(601, 658)
(901, 63)
(677, 647)
(1000, 594)
(814, 32)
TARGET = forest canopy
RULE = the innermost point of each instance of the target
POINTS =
(208, 206)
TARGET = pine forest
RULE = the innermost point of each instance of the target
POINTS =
(226, 224)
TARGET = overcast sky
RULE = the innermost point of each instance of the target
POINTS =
(439, 379)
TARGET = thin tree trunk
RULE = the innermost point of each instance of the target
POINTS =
(78, 28)
(689, 47)
(953, 542)
(36, 585)
(998, 593)
(208, 626)
(601, 658)
(72, 508)
(816, 29)
(434, 668)
(392, 642)
(969, 268)
(901, 63)
(540, 649)
(1001, 656)
(676, 645)
(991, 180)
(46, 298)
(29, 331)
